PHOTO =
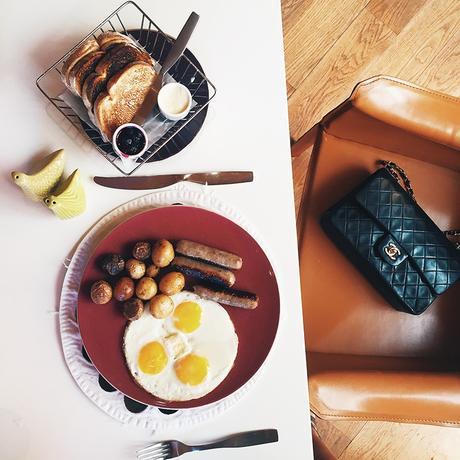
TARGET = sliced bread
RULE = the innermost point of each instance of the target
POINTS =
(115, 59)
(125, 94)
(94, 85)
(88, 46)
(108, 39)
(119, 56)
(82, 69)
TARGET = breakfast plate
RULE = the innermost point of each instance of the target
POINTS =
(102, 326)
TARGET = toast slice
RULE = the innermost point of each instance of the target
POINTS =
(118, 57)
(94, 85)
(125, 94)
(115, 59)
(88, 46)
(108, 39)
(82, 69)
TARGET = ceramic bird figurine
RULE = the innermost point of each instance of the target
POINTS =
(37, 186)
(69, 199)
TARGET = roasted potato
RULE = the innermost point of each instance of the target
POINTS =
(123, 289)
(162, 253)
(146, 288)
(152, 271)
(160, 306)
(135, 268)
(172, 283)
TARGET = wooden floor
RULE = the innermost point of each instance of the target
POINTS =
(330, 46)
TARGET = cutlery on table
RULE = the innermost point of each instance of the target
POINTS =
(174, 54)
(172, 449)
(154, 182)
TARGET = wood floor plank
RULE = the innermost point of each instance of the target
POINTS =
(443, 74)
(299, 171)
(289, 89)
(335, 76)
(396, 14)
(436, 63)
(318, 24)
(288, 7)
(413, 51)
(397, 441)
(291, 10)
(338, 435)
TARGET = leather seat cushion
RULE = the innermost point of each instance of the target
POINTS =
(343, 313)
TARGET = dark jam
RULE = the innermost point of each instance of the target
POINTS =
(130, 140)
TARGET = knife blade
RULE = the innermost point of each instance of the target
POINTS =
(155, 182)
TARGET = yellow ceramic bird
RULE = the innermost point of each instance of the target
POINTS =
(69, 198)
(37, 186)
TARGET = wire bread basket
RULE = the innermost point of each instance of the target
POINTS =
(131, 20)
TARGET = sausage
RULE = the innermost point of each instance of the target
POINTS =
(209, 254)
(233, 297)
(203, 271)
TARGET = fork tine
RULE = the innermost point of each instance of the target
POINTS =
(162, 452)
(149, 448)
(151, 452)
(155, 457)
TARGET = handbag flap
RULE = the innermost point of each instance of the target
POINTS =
(432, 253)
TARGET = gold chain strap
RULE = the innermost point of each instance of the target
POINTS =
(399, 174)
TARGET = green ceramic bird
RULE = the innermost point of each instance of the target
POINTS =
(69, 198)
(37, 186)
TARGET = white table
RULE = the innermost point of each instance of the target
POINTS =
(43, 414)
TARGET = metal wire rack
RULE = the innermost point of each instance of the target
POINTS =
(187, 71)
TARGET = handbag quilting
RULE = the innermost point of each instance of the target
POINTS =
(392, 241)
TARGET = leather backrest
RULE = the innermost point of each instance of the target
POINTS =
(424, 113)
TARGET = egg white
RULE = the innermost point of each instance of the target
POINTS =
(215, 339)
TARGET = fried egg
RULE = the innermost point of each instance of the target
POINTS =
(184, 356)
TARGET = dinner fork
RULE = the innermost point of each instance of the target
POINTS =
(172, 449)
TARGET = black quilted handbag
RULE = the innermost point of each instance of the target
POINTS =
(384, 232)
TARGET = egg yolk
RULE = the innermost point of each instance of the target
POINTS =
(152, 358)
(187, 316)
(191, 369)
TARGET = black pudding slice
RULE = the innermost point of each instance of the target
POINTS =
(130, 140)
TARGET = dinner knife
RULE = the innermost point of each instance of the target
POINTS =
(154, 182)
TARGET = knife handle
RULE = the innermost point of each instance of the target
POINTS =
(249, 438)
(180, 43)
(220, 177)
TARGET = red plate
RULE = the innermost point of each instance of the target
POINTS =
(102, 326)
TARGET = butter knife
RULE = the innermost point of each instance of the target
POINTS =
(174, 54)
(154, 182)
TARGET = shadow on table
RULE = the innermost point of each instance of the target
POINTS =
(43, 55)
